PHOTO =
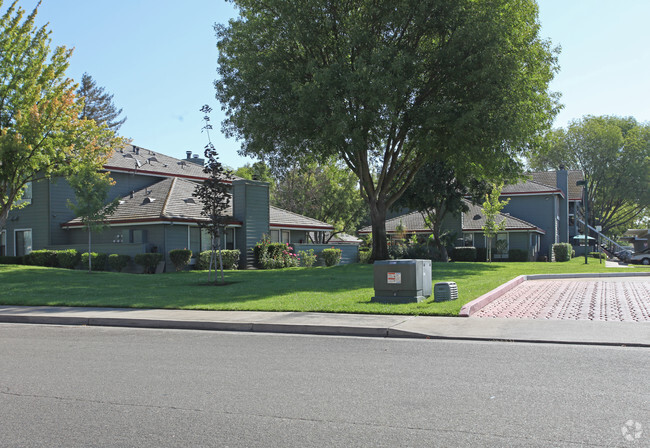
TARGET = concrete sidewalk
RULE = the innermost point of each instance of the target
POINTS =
(636, 334)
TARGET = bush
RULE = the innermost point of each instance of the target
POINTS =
(562, 251)
(118, 262)
(308, 257)
(397, 251)
(598, 255)
(481, 254)
(148, 261)
(464, 253)
(517, 255)
(365, 256)
(6, 259)
(99, 261)
(332, 256)
(180, 258)
(270, 255)
(68, 259)
(230, 259)
(43, 257)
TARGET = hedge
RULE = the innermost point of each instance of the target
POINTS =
(6, 259)
(148, 261)
(68, 259)
(598, 255)
(517, 255)
(99, 261)
(332, 256)
(180, 258)
(562, 251)
(117, 262)
(43, 257)
(464, 253)
(230, 259)
(365, 255)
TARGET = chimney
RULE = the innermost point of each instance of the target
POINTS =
(189, 155)
(132, 194)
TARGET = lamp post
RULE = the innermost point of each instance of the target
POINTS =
(583, 183)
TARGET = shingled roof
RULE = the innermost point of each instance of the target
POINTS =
(472, 221)
(286, 219)
(550, 178)
(528, 187)
(168, 200)
(135, 159)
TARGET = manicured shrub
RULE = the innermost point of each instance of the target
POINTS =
(6, 259)
(180, 258)
(148, 261)
(308, 257)
(270, 255)
(117, 262)
(517, 255)
(230, 259)
(365, 255)
(68, 259)
(43, 257)
(332, 256)
(481, 254)
(397, 251)
(464, 253)
(99, 261)
(562, 251)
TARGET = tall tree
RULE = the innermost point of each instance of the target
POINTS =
(98, 104)
(40, 132)
(385, 85)
(327, 192)
(439, 190)
(492, 207)
(614, 154)
(214, 194)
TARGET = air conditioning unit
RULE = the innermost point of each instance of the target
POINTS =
(444, 291)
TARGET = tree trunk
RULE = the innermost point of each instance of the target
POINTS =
(3, 217)
(437, 224)
(220, 260)
(378, 218)
(90, 257)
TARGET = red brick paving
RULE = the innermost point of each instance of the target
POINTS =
(605, 299)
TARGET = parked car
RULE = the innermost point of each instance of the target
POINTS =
(642, 257)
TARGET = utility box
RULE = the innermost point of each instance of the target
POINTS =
(444, 291)
(402, 281)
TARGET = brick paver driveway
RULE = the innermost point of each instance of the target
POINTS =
(608, 299)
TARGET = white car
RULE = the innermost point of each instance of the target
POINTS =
(642, 257)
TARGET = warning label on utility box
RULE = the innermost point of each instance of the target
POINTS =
(394, 278)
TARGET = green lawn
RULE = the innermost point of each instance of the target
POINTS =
(345, 289)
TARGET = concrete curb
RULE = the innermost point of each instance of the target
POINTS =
(475, 305)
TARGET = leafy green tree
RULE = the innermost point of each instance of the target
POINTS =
(40, 132)
(214, 194)
(91, 191)
(327, 192)
(437, 191)
(491, 209)
(385, 85)
(614, 154)
(98, 104)
(257, 171)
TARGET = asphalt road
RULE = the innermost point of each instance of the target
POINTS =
(93, 386)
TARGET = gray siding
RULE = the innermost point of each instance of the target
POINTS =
(538, 210)
(175, 238)
(251, 207)
(34, 216)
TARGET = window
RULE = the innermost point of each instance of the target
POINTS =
(26, 198)
(469, 239)
(275, 236)
(3, 243)
(285, 236)
(501, 246)
(138, 236)
(23, 242)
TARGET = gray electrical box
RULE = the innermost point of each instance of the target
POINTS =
(444, 291)
(402, 281)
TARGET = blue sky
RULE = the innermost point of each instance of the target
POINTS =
(158, 57)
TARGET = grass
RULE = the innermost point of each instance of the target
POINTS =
(341, 289)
